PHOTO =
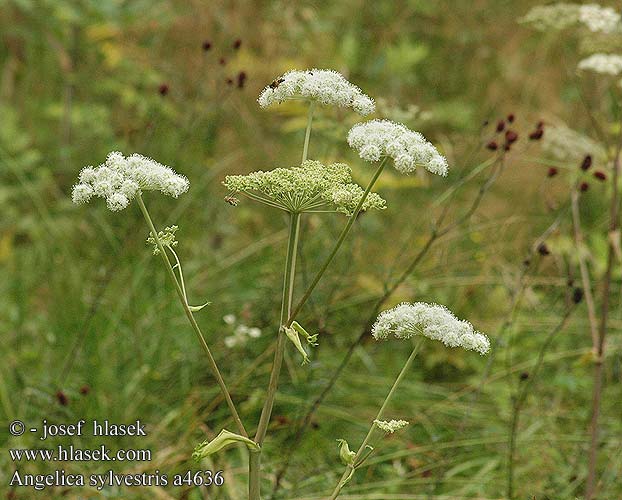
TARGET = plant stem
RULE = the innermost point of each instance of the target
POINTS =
(614, 226)
(180, 294)
(286, 304)
(254, 475)
(305, 148)
(361, 450)
(337, 246)
(522, 395)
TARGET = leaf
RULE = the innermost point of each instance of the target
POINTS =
(345, 454)
(198, 308)
(224, 439)
(293, 336)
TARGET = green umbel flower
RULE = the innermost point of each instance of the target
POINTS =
(309, 187)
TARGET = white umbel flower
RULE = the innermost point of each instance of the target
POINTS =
(608, 64)
(119, 179)
(599, 19)
(390, 426)
(322, 85)
(430, 320)
(379, 138)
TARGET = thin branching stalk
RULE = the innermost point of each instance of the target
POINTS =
(286, 304)
(340, 240)
(180, 294)
(305, 148)
(362, 450)
(586, 281)
(614, 225)
(521, 396)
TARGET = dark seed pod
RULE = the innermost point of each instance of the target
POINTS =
(511, 117)
(584, 186)
(577, 295)
(492, 145)
(524, 376)
(500, 126)
(163, 89)
(237, 44)
(85, 389)
(601, 176)
(586, 163)
(536, 135)
(511, 136)
(62, 398)
(206, 45)
(543, 249)
(552, 172)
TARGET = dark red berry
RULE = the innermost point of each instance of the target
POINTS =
(587, 162)
(62, 399)
(85, 389)
(543, 249)
(536, 135)
(500, 126)
(584, 186)
(511, 117)
(163, 89)
(492, 145)
(241, 79)
(511, 136)
(206, 45)
(237, 44)
(507, 146)
(552, 172)
(601, 176)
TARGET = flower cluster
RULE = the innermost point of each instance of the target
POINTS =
(380, 138)
(609, 64)
(167, 239)
(560, 16)
(310, 186)
(241, 332)
(430, 320)
(566, 144)
(599, 19)
(120, 179)
(322, 85)
(391, 426)
(556, 16)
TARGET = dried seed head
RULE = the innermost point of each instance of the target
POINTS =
(62, 398)
(543, 249)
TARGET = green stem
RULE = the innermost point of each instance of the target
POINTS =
(180, 294)
(286, 304)
(350, 468)
(254, 475)
(305, 149)
(337, 246)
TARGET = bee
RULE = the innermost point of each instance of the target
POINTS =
(276, 83)
(232, 200)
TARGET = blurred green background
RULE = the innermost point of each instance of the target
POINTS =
(90, 328)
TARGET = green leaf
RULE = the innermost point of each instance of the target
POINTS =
(224, 439)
